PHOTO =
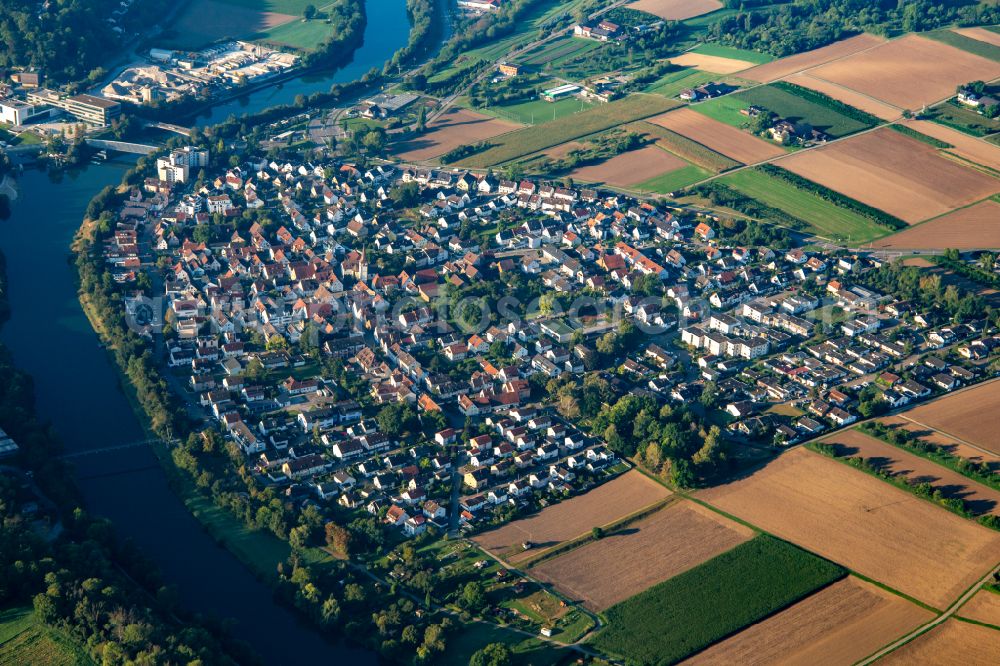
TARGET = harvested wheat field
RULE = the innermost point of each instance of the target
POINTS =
(984, 606)
(779, 69)
(840, 624)
(847, 96)
(972, 415)
(968, 147)
(454, 128)
(948, 443)
(574, 517)
(729, 141)
(951, 643)
(864, 524)
(909, 72)
(892, 172)
(711, 63)
(676, 10)
(669, 542)
(982, 34)
(980, 499)
(635, 166)
(968, 228)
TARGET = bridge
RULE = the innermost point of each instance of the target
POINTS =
(122, 146)
(168, 127)
(109, 449)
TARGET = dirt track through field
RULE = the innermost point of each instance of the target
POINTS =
(729, 141)
(909, 72)
(840, 624)
(983, 607)
(952, 643)
(863, 523)
(894, 173)
(571, 518)
(975, 227)
(612, 569)
(778, 69)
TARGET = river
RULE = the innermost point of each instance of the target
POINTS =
(78, 390)
(388, 29)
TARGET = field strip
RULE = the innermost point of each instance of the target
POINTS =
(948, 434)
(846, 89)
(951, 610)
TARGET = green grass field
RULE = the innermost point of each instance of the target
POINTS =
(964, 120)
(825, 218)
(539, 137)
(673, 83)
(785, 104)
(967, 44)
(528, 651)
(297, 34)
(538, 111)
(293, 7)
(734, 53)
(557, 51)
(25, 641)
(674, 180)
(691, 611)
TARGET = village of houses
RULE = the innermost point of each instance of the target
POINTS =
(754, 322)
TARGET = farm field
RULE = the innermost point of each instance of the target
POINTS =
(980, 499)
(25, 640)
(711, 63)
(984, 606)
(206, 21)
(557, 51)
(972, 415)
(982, 34)
(729, 141)
(825, 218)
(965, 146)
(545, 135)
(951, 643)
(809, 59)
(454, 128)
(673, 83)
(895, 173)
(863, 523)
(786, 104)
(560, 522)
(721, 51)
(630, 168)
(673, 181)
(969, 44)
(909, 72)
(676, 10)
(976, 226)
(672, 540)
(692, 610)
(950, 444)
(840, 624)
(692, 151)
(847, 96)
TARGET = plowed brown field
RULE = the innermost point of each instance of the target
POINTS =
(971, 148)
(721, 138)
(977, 226)
(982, 34)
(982, 500)
(710, 63)
(951, 643)
(669, 542)
(574, 517)
(892, 172)
(864, 524)
(950, 444)
(983, 607)
(972, 415)
(909, 72)
(778, 69)
(454, 128)
(630, 168)
(676, 10)
(840, 624)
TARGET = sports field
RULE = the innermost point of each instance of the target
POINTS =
(537, 111)
(824, 217)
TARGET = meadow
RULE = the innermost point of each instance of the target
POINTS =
(673, 180)
(673, 83)
(25, 640)
(824, 217)
(691, 611)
